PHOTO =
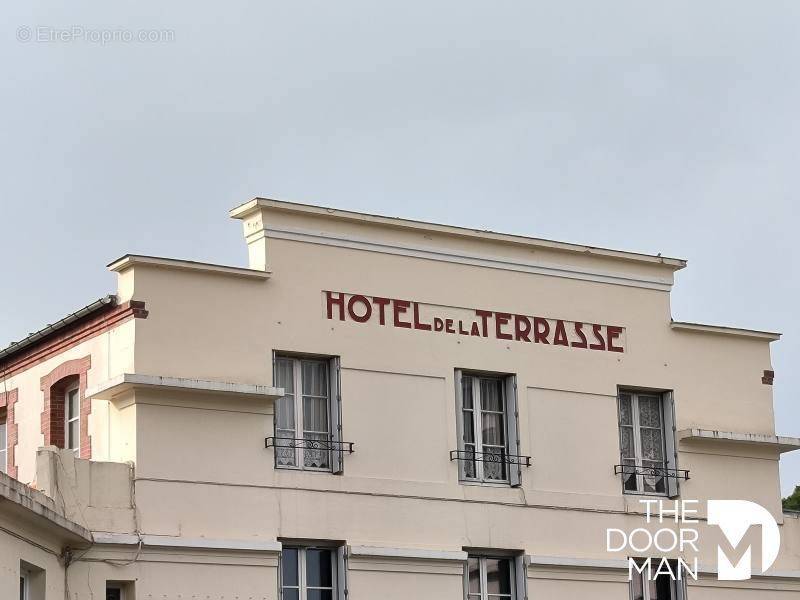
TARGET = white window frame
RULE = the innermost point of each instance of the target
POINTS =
(637, 440)
(484, 594)
(4, 449)
(302, 585)
(299, 425)
(477, 421)
(68, 420)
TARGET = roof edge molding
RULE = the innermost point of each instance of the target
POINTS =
(129, 260)
(779, 442)
(247, 210)
(663, 284)
(167, 541)
(93, 307)
(110, 388)
(721, 330)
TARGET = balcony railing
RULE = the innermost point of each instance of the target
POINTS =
(657, 472)
(329, 445)
(490, 457)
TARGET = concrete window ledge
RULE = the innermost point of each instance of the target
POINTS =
(115, 386)
(779, 442)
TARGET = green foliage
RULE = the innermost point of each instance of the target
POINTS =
(793, 501)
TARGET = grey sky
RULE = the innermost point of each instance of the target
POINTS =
(660, 127)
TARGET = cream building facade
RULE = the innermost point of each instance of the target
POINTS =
(377, 408)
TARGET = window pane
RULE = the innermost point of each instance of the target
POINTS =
(494, 429)
(73, 434)
(652, 445)
(113, 593)
(474, 574)
(315, 378)
(625, 416)
(470, 466)
(626, 440)
(317, 452)
(492, 394)
(498, 576)
(289, 594)
(637, 592)
(285, 454)
(469, 427)
(653, 481)
(494, 466)
(629, 476)
(315, 414)
(289, 566)
(73, 404)
(3, 459)
(662, 588)
(653, 595)
(2, 435)
(649, 411)
(466, 391)
(284, 407)
(320, 595)
(283, 375)
(284, 413)
(318, 568)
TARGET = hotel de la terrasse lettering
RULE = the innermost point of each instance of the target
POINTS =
(408, 314)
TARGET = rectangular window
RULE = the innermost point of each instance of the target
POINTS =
(487, 416)
(72, 413)
(3, 444)
(309, 573)
(32, 582)
(114, 592)
(484, 417)
(647, 443)
(120, 590)
(490, 578)
(660, 587)
(308, 417)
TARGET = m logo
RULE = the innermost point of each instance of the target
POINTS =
(735, 518)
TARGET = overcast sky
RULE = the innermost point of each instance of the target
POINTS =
(657, 127)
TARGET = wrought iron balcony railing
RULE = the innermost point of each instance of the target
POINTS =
(330, 445)
(490, 457)
(651, 472)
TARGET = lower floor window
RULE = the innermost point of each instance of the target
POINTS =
(114, 592)
(490, 578)
(308, 573)
(651, 586)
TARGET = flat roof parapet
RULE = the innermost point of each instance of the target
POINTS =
(248, 208)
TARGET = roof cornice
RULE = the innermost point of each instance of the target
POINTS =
(248, 208)
(769, 336)
(129, 260)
